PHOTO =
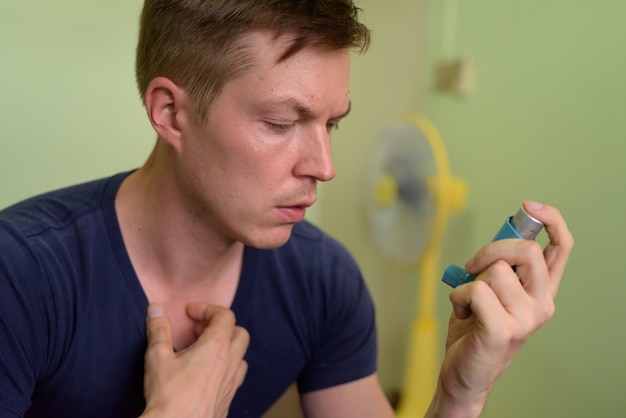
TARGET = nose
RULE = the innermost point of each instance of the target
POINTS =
(315, 158)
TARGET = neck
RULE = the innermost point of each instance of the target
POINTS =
(167, 242)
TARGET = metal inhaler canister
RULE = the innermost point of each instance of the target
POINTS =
(521, 225)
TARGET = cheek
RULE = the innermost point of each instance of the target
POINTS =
(238, 169)
(233, 183)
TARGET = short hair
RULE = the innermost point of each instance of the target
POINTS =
(198, 43)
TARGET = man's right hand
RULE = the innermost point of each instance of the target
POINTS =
(201, 380)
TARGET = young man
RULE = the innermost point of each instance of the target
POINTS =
(243, 95)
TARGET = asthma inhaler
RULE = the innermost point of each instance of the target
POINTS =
(521, 225)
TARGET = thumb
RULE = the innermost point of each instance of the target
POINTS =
(158, 331)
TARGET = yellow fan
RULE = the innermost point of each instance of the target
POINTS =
(411, 196)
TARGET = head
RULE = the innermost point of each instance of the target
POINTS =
(200, 44)
(243, 95)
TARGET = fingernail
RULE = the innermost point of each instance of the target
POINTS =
(534, 205)
(469, 263)
(155, 311)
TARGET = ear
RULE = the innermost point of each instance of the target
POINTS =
(166, 104)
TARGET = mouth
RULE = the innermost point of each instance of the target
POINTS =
(305, 204)
(302, 202)
(295, 212)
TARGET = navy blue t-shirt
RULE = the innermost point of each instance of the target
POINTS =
(72, 312)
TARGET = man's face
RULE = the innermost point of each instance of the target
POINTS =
(252, 168)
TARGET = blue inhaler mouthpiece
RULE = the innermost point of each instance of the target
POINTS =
(522, 225)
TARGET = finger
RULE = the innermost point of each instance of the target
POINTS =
(507, 287)
(238, 348)
(238, 378)
(201, 311)
(227, 394)
(158, 331)
(531, 269)
(204, 312)
(527, 257)
(218, 332)
(516, 252)
(478, 299)
(241, 373)
(240, 341)
(236, 369)
(561, 243)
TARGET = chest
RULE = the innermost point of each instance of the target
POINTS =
(175, 304)
(102, 373)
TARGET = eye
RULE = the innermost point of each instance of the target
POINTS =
(279, 127)
(332, 126)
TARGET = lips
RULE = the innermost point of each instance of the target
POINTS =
(292, 214)
(304, 204)
(295, 212)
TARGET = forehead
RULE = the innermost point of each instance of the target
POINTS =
(264, 50)
(268, 40)
(311, 74)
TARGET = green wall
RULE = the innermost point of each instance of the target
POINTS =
(544, 123)
(68, 104)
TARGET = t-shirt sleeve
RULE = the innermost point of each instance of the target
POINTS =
(23, 329)
(347, 348)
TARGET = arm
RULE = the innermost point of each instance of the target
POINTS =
(363, 398)
(494, 315)
(492, 318)
(201, 380)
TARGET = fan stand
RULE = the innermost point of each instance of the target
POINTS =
(421, 370)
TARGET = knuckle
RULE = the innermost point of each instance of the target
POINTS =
(225, 315)
(157, 351)
(242, 335)
(569, 241)
(156, 331)
(221, 340)
(531, 249)
(526, 329)
(216, 341)
(243, 366)
(479, 289)
(500, 269)
(488, 251)
(547, 311)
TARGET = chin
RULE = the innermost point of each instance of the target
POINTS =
(270, 238)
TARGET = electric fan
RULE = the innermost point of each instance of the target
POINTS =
(411, 194)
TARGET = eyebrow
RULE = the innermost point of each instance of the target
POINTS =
(305, 111)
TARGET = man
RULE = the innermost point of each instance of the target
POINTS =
(208, 238)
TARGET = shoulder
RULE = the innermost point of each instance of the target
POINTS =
(54, 251)
(47, 234)
(323, 265)
(58, 208)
